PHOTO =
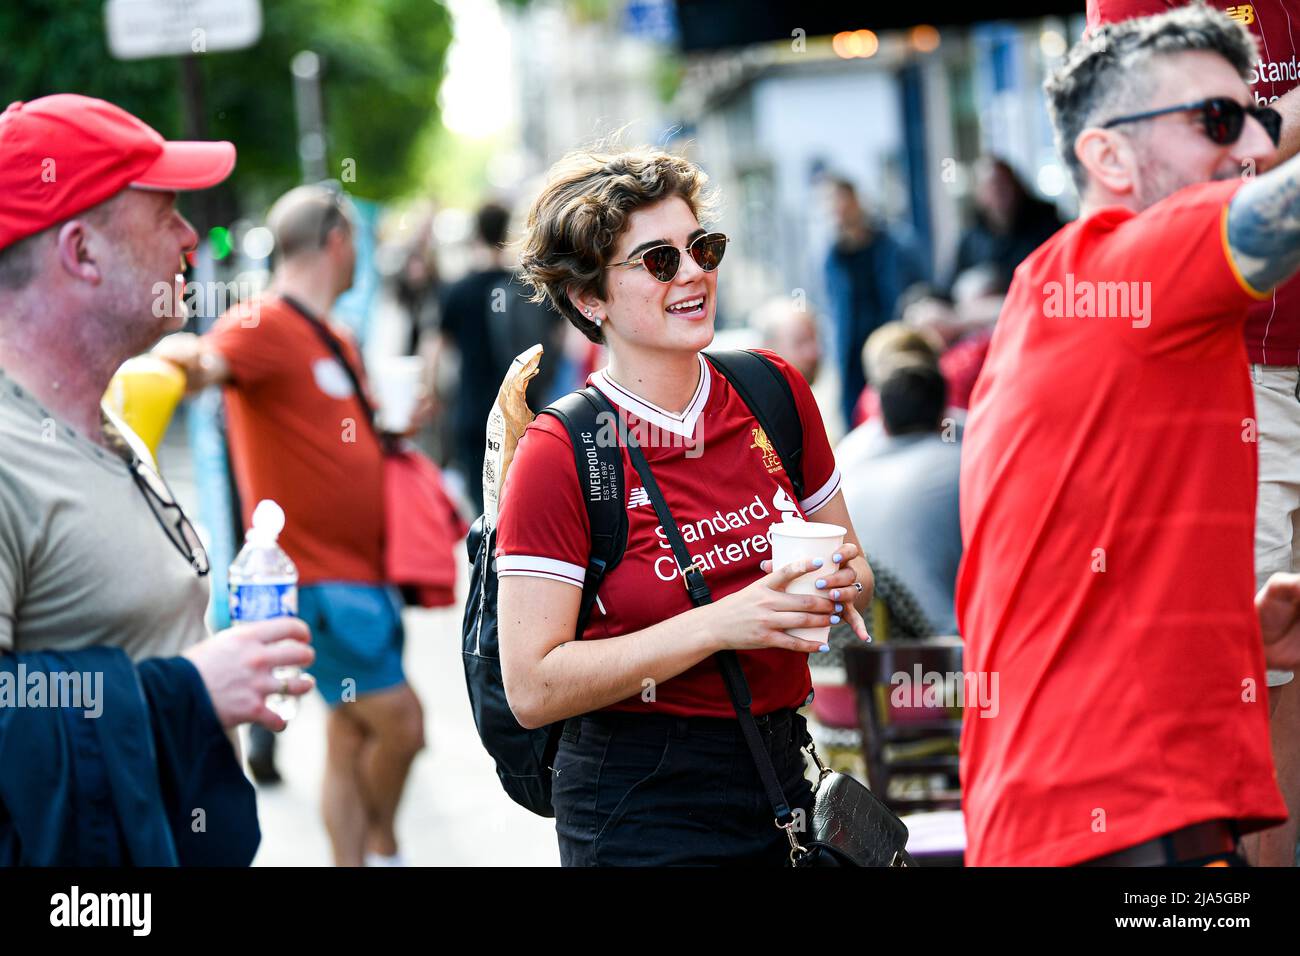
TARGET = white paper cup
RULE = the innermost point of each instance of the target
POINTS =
(797, 541)
(397, 383)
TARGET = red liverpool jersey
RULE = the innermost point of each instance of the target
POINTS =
(724, 486)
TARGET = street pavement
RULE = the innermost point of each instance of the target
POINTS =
(454, 812)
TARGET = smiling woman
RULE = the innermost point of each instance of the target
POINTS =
(652, 767)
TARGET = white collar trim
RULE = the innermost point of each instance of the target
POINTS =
(682, 424)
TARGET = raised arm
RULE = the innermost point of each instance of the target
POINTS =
(1263, 230)
(202, 364)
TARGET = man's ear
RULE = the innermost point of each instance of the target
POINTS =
(1108, 158)
(72, 246)
(337, 238)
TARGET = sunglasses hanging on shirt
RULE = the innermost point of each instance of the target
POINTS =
(171, 518)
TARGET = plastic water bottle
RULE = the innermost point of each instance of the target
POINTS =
(264, 585)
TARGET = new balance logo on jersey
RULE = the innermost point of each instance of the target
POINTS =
(636, 498)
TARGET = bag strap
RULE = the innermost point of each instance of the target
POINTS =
(733, 675)
(767, 393)
(331, 342)
(599, 463)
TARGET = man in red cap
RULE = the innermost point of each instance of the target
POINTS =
(94, 550)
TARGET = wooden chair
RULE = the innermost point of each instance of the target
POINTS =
(895, 614)
(909, 743)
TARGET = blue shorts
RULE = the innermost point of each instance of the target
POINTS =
(356, 630)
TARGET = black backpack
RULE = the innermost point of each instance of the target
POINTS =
(524, 757)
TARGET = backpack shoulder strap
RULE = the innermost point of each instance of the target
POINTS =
(600, 476)
(764, 389)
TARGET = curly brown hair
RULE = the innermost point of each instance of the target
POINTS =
(575, 223)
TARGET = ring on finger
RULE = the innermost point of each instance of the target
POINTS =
(858, 585)
(284, 688)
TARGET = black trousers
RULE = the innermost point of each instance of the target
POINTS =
(656, 790)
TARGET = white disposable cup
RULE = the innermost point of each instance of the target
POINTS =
(397, 383)
(798, 541)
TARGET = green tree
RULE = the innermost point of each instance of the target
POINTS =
(383, 62)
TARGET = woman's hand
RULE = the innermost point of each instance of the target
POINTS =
(760, 615)
(839, 586)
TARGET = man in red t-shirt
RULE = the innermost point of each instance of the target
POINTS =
(1273, 344)
(298, 436)
(1108, 475)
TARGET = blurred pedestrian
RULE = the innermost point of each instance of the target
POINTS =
(418, 286)
(296, 436)
(487, 319)
(901, 490)
(1009, 223)
(788, 327)
(868, 267)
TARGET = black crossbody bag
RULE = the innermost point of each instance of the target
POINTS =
(850, 825)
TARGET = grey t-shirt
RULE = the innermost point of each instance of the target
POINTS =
(83, 559)
(901, 492)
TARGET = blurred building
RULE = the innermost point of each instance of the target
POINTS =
(901, 112)
(585, 70)
(903, 115)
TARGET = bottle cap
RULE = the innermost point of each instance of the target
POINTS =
(268, 522)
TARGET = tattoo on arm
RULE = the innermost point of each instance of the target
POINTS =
(1264, 227)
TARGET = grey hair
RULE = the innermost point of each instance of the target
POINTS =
(303, 217)
(1108, 70)
(18, 260)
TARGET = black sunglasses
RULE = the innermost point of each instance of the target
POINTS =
(1223, 117)
(170, 517)
(662, 262)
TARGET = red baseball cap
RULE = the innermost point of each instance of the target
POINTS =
(62, 154)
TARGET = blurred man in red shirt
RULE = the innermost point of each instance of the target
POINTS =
(1273, 343)
(298, 435)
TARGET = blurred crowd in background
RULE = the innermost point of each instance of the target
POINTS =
(870, 176)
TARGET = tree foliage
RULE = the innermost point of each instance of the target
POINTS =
(383, 62)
